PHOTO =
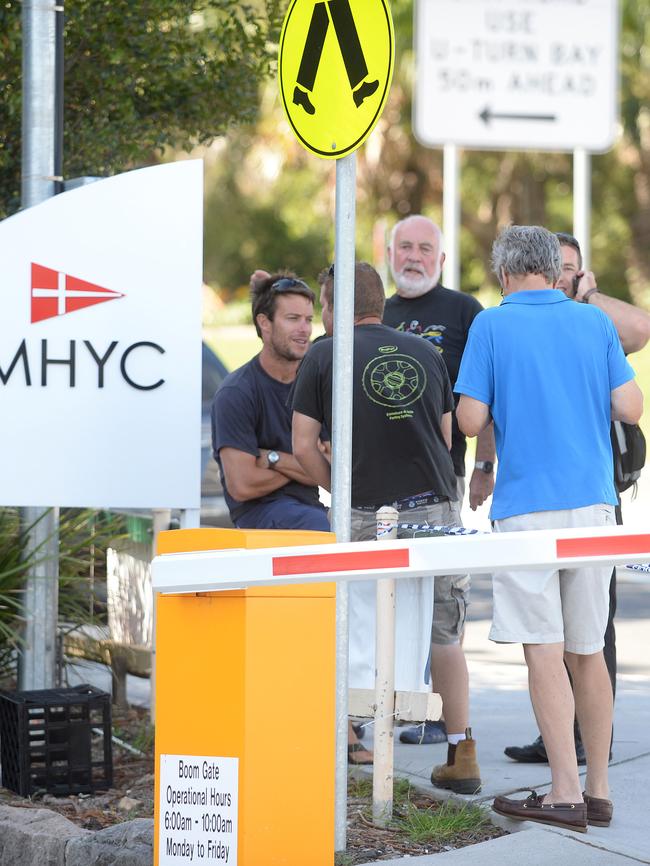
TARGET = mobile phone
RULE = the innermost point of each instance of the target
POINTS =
(576, 283)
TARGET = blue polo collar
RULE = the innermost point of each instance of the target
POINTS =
(536, 296)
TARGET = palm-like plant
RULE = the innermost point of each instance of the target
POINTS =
(84, 535)
(12, 575)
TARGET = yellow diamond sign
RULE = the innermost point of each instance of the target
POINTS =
(334, 71)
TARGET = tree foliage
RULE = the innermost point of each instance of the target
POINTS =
(396, 175)
(140, 77)
(265, 207)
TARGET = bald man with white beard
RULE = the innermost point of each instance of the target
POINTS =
(424, 307)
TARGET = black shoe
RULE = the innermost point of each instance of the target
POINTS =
(424, 735)
(535, 753)
(362, 92)
(301, 98)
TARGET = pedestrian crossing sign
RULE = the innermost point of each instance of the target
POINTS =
(334, 71)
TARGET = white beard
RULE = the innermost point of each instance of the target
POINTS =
(414, 286)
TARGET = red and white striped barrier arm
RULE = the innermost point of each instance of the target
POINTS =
(206, 571)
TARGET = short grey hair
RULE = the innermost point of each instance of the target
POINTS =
(527, 250)
(437, 231)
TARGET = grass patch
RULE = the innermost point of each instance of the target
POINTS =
(420, 825)
(360, 788)
(401, 792)
(144, 738)
(441, 822)
(137, 733)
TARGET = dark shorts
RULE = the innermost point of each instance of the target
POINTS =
(285, 513)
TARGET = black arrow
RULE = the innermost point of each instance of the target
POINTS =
(487, 115)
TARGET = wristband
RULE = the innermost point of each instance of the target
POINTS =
(587, 295)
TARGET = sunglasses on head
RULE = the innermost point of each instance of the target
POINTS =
(288, 284)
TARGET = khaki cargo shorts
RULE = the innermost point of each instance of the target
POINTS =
(451, 591)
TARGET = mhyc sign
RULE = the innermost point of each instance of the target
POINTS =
(100, 344)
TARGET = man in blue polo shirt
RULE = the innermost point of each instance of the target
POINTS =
(551, 374)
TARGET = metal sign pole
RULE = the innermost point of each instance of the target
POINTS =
(582, 202)
(37, 667)
(324, 125)
(451, 215)
(342, 455)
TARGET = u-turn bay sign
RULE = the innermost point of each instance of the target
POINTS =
(538, 74)
(334, 71)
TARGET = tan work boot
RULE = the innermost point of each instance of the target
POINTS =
(461, 773)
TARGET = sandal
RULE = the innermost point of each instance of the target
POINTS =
(358, 754)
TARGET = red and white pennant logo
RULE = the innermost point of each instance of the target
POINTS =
(55, 293)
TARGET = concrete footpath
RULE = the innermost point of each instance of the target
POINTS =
(501, 716)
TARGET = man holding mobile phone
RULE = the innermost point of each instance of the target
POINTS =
(631, 323)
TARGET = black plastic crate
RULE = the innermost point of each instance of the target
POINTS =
(56, 741)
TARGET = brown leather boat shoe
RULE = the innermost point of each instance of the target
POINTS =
(599, 810)
(570, 816)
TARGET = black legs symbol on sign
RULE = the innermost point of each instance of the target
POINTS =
(351, 51)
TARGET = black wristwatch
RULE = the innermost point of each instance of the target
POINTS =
(486, 466)
(272, 458)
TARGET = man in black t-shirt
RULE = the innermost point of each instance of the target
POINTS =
(424, 307)
(401, 437)
(264, 486)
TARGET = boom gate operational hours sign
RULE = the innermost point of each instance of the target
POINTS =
(512, 74)
(197, 810)
(100, 344)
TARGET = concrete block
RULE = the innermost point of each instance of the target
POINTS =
(35, 837)
(127, 844)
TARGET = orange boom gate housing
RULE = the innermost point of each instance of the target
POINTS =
(235, 672)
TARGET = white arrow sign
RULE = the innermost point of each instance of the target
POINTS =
(513, 74)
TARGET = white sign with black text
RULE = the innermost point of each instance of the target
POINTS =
(199, 802)
(513, 74)
(100, 344)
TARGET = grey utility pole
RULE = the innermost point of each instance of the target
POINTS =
(37, 667)
(344, 261)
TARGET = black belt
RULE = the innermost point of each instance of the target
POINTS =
(420, 499)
